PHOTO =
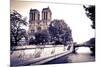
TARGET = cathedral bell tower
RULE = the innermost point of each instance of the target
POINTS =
(35, 24)
(34, 19)
(46, 16)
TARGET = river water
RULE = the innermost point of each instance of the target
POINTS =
(80, 56)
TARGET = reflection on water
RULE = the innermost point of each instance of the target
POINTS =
(73, 58)
(80, 57)
(83, 54)
(83, 50)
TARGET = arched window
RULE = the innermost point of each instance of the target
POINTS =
(33, 16)
(46, 15)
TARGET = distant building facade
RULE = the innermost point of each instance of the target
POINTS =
(35, 23)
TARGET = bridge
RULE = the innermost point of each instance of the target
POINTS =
(76, 46)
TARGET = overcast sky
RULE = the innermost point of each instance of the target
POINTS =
(73, 15)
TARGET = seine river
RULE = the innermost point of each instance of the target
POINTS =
(82, 55)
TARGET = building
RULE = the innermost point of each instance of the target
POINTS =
(35, 23)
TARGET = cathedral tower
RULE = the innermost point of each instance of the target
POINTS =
(34, 15)
(46, 15)
(35, 24)
(34, 20)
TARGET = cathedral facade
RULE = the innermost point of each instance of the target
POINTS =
(35, 23)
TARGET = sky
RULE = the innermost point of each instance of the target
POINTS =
(73, 14)
(65, 1)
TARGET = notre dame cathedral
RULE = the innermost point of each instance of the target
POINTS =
(38, 23)
(35, 23)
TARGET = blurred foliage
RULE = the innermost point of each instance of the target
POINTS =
(16, 30)
(60, 32)
(90, 12)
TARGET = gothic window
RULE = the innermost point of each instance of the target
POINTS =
(46, 15)
(33, 16)
(38, 17)
(43, 15)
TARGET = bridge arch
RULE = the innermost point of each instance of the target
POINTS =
(76, 47)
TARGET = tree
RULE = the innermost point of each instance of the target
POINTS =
(90, 12)
(59, 32)
(42, 37)
(32, 41)
(16, 30)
